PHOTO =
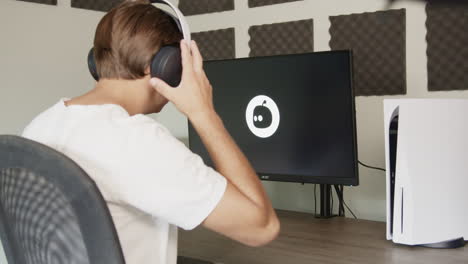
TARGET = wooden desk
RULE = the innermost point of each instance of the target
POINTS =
(305, 239)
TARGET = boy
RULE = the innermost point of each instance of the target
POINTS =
(151, 182)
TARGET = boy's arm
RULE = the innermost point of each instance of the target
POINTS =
(245, 212)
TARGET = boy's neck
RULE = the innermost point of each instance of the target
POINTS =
(133, 95)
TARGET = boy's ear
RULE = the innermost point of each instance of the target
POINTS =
(147, 70)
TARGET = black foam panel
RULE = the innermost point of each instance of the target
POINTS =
(282, 38)
(447, 47)
(216, 44)
(378, 43)
(97, 5)
(195, 7)
(47, 2)
(256, 3)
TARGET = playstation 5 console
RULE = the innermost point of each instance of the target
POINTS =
(426, 146)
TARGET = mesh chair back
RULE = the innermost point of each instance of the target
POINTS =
(51, 212)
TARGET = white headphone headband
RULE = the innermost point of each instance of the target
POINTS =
(180, 17)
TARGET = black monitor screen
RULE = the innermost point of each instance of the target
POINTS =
(293, 116)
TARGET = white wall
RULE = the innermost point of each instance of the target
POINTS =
(43, 57)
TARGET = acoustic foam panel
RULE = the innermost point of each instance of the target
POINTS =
(216, 44)
(282, 38)
(447, 47)
(256, 3)
(47, 2)
(196, 7)
(377, 41)
(97, 5)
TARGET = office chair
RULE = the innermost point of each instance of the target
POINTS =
(51, 212)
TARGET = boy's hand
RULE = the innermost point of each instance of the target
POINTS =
(193, 97)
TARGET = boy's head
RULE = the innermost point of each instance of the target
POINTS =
(128, 37)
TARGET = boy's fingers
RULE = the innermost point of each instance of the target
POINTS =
(162, 87)
(197, 57)
(186, 56)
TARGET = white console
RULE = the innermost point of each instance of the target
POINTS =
(426, 147)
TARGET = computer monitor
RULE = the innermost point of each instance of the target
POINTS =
(293, 116)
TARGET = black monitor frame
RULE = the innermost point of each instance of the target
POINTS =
(349, 181)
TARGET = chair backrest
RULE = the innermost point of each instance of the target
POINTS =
(51, 211)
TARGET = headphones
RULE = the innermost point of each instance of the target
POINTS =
(166, 64)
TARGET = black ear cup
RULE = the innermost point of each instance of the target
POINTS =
(167, 65)
(92, 65)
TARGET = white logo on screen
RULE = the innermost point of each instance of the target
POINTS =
(262, 116)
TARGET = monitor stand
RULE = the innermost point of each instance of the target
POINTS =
(325, 202)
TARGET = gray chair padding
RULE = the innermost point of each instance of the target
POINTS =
(216, 44)
(47, 2)
(256, 3)
(282, 38)
(196, 7)
(51, 212)
(378, 43)
(447, 47)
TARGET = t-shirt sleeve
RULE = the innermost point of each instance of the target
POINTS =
(168, 181)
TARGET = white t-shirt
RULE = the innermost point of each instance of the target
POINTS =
(151, 182)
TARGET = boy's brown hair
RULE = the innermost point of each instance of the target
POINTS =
(128, 37)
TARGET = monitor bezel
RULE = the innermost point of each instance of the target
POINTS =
(349, 181)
